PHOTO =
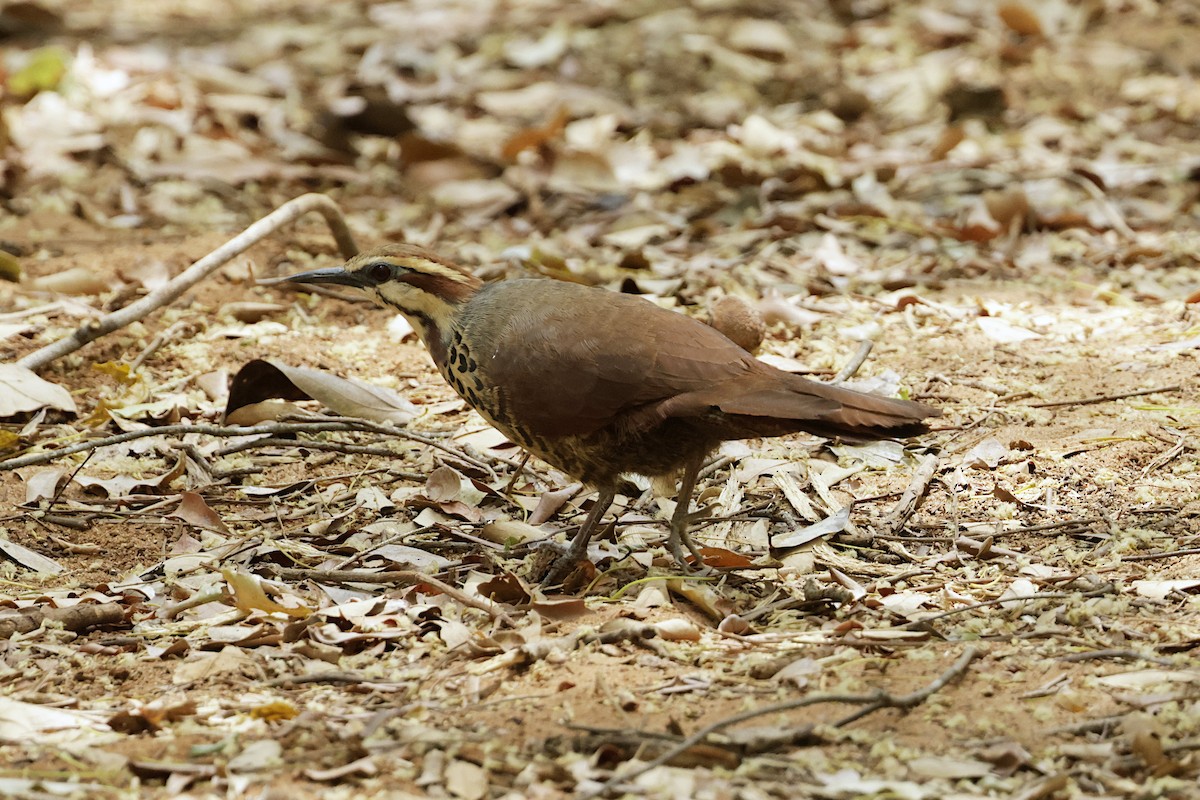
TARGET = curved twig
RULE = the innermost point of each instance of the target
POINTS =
(318, 425)
(399, 577)
(870, 702)
(174, 288)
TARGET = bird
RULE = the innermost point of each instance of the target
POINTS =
(601, 384)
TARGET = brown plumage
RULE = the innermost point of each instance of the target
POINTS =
(600, 384)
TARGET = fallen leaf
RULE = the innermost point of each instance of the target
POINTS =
(257, 756)
(22, 390)
(248, 595)
(44, 484)
(29, 559)
(835, 523)
(1004, 332)
(1020, 19)
(77, 281)
(261, 380)
(194, 511)
(986, 455)
(125, 485)
(678, 630)
(950, 768)
(30, 723)
(465, 780)
(723, 559)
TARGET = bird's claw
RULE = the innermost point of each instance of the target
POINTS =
(567, 558)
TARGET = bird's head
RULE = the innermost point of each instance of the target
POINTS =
(421, 285)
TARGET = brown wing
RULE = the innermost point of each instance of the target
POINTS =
(775, 402)
(570, 359)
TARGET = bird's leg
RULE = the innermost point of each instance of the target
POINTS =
(508, 487)
(681, 519)
(578, 550)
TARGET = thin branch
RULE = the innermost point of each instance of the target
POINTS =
(852, 366)
(1110, 210)
(1081, 522)
(157, 342)
(871, 702)
(1098, 725)
(171, 430)
(351, 678)
(173, 289)
(914, 699)
(922, 477)
(399, 577)
(198, 599)
(1190, 551)
(331, 447)
(312, 425)
(389, 430)
(999, 601)
(1127, 655)
(1105, 398)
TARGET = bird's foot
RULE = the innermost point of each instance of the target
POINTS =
(565, 563)
(697, 566)
(679, 538)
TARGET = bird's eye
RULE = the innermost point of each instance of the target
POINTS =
(379, 272)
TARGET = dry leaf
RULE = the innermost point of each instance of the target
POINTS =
(248, 595)
(835, 523)
(21, 390)
(1020, 19)
(986, 455)
(193, 510)
(723, 559)
(261, 380)
(208, 665)
(44, 484)
(29, 559)
(77, 280)
(678, 630)
(125, 485)
(511, 532)
(465, 780)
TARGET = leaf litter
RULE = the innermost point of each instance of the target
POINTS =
(997, 199)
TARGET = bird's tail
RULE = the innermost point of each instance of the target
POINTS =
(800, 404)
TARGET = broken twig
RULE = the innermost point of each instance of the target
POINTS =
(870, 702)
(1088, 401)
(922, 477)
(173, 289)
(399, 577)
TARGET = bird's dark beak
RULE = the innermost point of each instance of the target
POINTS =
(335, 275)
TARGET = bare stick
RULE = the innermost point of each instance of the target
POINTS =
(914, 699)
(174, 288)
(871, 702)
(196, 600)
(72, 618)
(921, 623)
(1105, 398)
(1111, 211)
(274, 429)
(1128, 655)
(388, 430)
(922, 477)
(315, 425)
(1189, 551)
(852, 366)
(156, 343)
(400, 577)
